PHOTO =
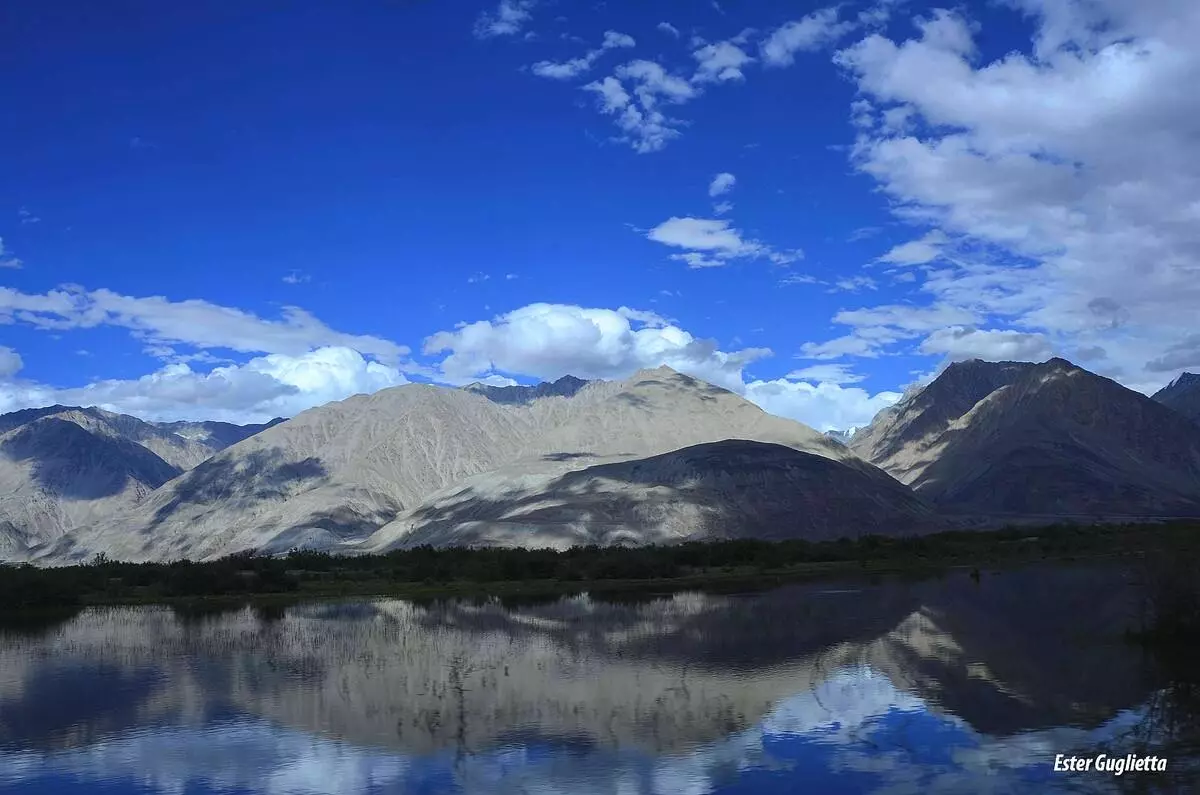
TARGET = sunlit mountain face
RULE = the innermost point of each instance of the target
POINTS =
(945, 685)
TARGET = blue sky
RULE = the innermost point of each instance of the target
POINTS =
(243, 210)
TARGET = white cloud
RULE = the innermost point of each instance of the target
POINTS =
(614, 39)
(27, 217)
(846, 345)
(722, 208)
(800, 278)
(296, 277)
(702, 234)
(720, 62)
(1072, 172)
(852, 284)
(668, 28)
(638, 112)
(875, 328)
(636, 93)
(157, 320)
(722, 183)
(652, 82)
(548, 341)
(567, 70)
(7, 260)
(879, 14)
(508, 19)
(816, 30)
(262, 388)
(918, 252)
(960, 342)
(10, 362)
(712, 242)
(824, 406)
(832, 373)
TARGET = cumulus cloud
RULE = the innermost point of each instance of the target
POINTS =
(1071, 170)
(158, 320)
(713, 242)
(831, 373)
(917, 252)
(959, 342)
(875, 328)
(507, 19)
(668, 28)
(636, 93)
(567, 70)
(814, 31)
(10, 362)
(720, 62)
(547, 341)
(824, 406)
(275, 385)
(638, 111)
(722, 183)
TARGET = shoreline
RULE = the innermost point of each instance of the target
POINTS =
(718, 580)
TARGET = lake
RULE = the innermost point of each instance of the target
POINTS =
(943, 685)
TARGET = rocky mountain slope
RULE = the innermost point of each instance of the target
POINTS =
(1046, 440)
(1182, 395)
(566, 386)
(925, 413)
(334, 475)
(63, 466)
(719, 490)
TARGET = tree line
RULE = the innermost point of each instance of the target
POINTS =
(247, 573)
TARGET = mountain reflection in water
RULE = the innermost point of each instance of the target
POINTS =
(942, 685)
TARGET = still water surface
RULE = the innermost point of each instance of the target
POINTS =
(943, 685)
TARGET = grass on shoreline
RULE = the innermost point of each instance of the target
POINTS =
(434, 573)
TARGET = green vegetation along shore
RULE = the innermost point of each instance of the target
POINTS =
(427, 572)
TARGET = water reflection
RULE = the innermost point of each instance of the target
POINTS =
(945, 685)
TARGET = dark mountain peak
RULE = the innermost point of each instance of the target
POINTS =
(565, 386)
(1059, 363)
(15, 419)
(1182, 396)
(1184, 380)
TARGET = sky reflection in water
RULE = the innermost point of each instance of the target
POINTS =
(891, 688)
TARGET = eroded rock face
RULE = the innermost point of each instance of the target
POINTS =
(1049, 440)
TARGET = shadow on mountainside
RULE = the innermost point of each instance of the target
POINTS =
(730, 489)
(567, 456)
(79, 465)
(243, 480)
(1051, 477)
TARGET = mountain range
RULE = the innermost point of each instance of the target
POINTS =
(64, 466)
(658, 457)
(1015, 439)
